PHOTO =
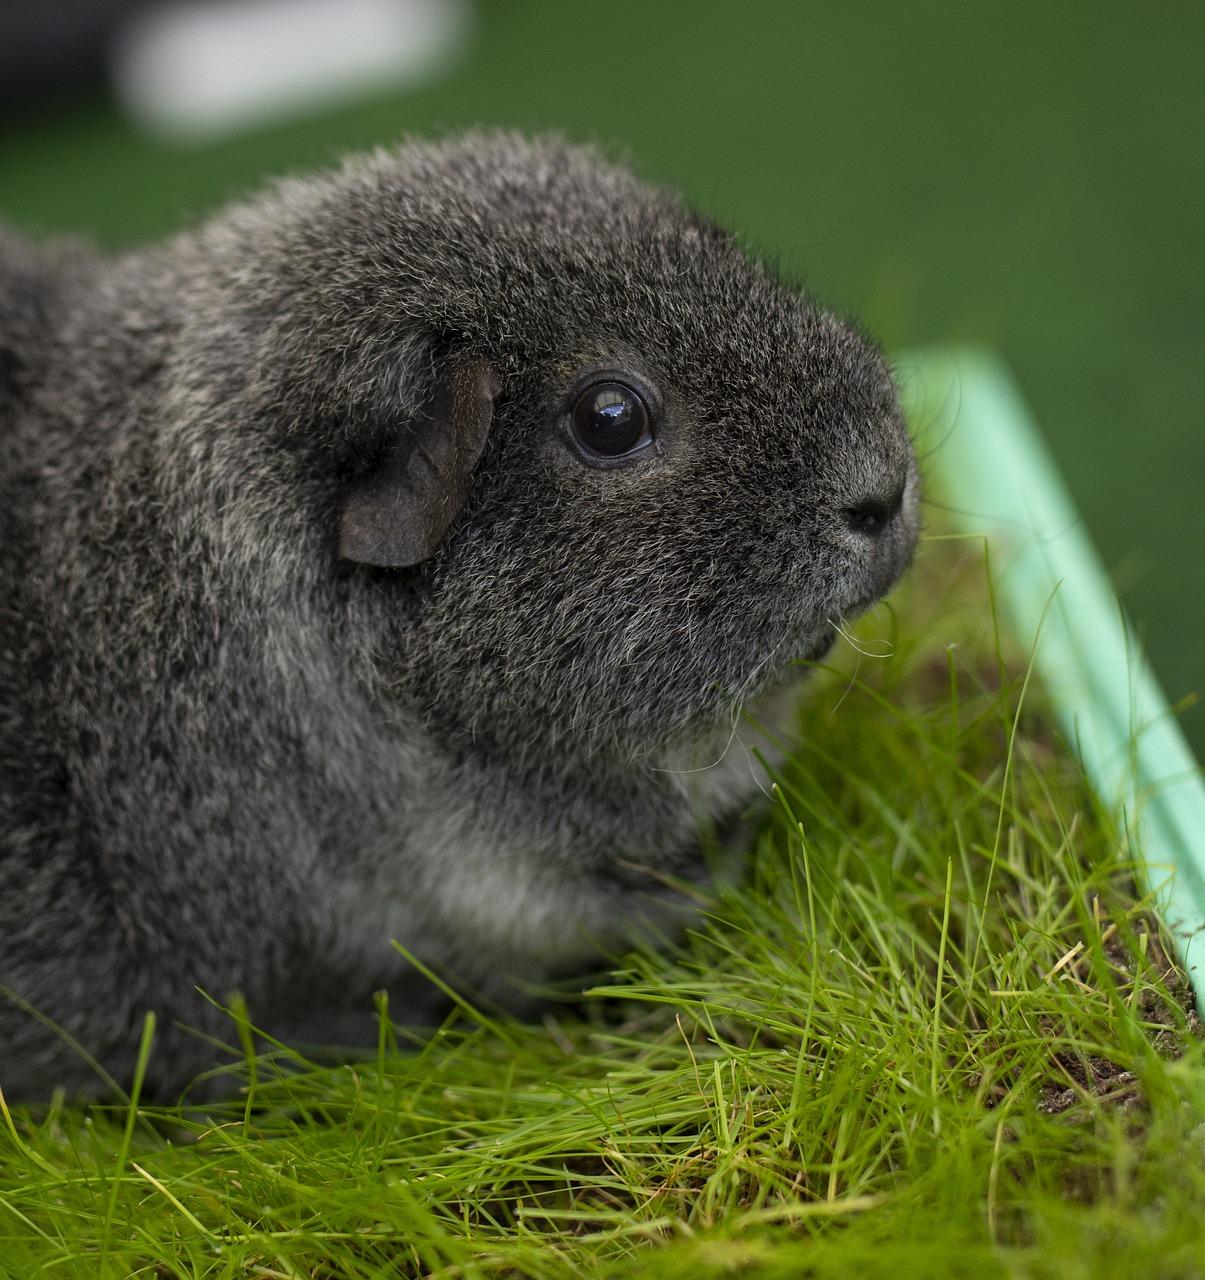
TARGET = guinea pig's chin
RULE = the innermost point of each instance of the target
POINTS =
(785, 670)
(792, 658)
(792, 665)
(820, 645)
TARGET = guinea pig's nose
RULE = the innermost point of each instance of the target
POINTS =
(874, 512)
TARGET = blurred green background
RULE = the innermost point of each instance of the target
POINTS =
(1028, 176)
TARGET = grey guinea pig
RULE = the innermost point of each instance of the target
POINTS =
(380, 561)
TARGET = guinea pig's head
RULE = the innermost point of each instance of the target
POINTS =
(601, 474)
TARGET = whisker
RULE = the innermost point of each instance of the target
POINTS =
(856, 647)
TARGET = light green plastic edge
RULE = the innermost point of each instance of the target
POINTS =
(989, 467)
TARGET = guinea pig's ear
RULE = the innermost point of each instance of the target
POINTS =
(398, 514)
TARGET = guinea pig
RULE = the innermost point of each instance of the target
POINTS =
(388, 558)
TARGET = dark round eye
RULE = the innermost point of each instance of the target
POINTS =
(610, 420)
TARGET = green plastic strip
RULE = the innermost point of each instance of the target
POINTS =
(991, 468)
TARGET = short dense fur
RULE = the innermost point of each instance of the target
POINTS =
(231, 759)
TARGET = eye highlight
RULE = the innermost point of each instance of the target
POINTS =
(610, 420)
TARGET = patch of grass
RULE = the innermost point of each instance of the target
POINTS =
(937, 1033)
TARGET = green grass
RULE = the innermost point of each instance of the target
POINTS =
(935, 1034)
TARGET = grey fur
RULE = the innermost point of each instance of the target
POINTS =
(231, 759)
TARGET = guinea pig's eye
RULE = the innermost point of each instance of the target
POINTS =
(610, 420)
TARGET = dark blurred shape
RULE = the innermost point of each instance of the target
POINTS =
(194, 69)
(49, 48)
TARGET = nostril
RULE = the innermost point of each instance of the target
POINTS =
(872, 515)
(868, 517)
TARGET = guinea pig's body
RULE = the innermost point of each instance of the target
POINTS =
(383, 560)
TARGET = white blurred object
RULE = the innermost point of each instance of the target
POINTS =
(194, 69)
